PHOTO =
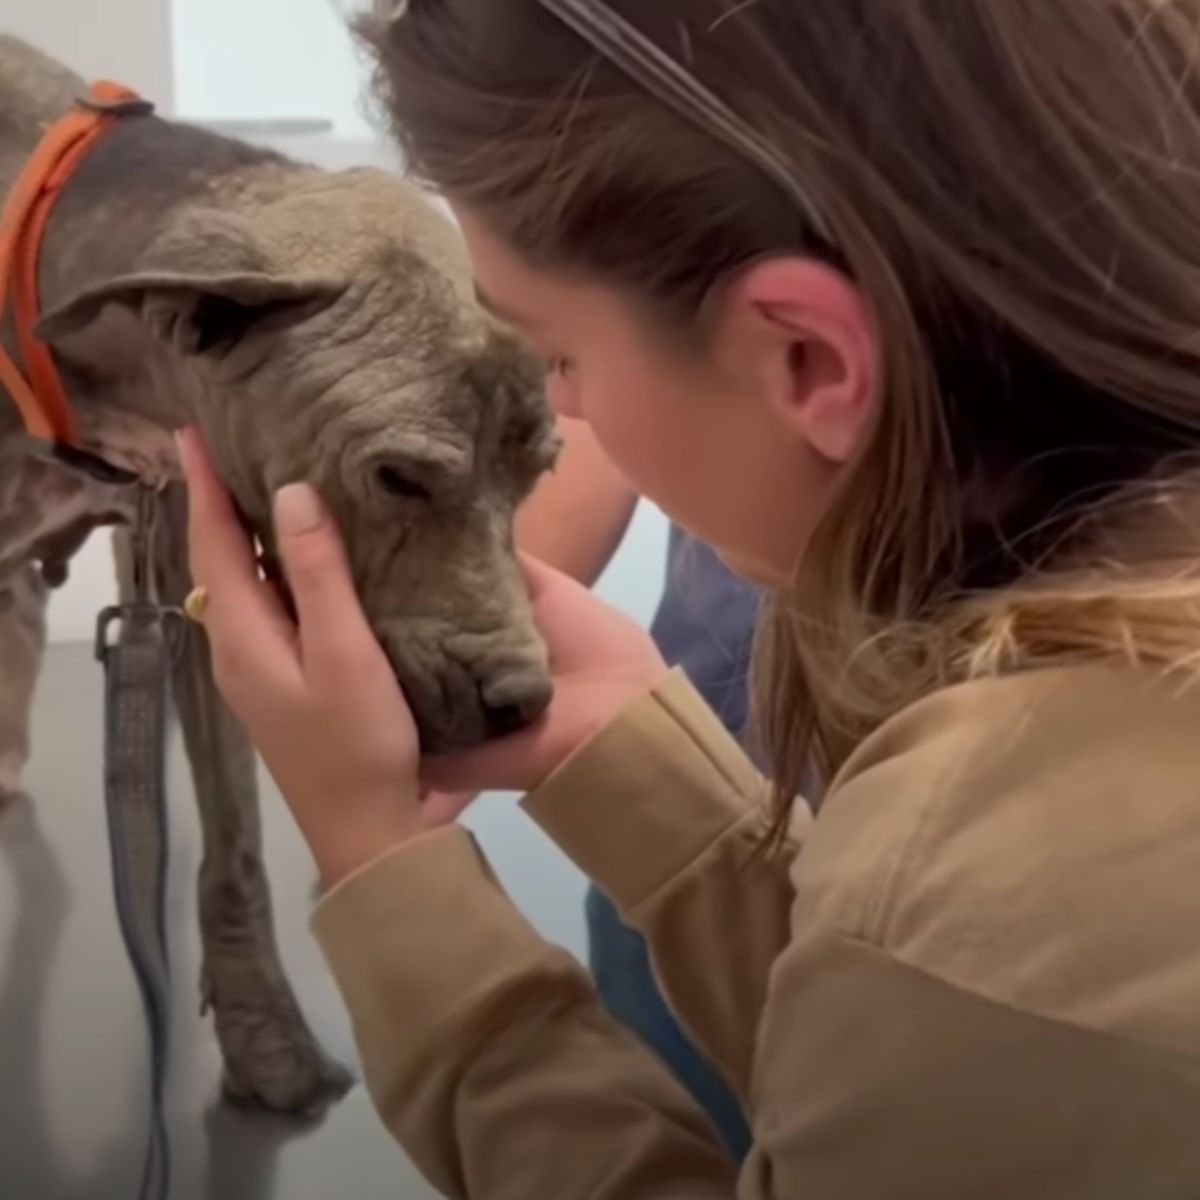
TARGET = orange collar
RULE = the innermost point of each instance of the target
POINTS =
(39, 394)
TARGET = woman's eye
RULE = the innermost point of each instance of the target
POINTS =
(396, 483)
(560, 367)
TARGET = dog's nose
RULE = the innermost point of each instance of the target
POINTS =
(508, 718)
(513, 699)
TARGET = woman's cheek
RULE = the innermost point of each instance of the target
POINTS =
(564, 395)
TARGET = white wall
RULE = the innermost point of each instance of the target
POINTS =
(268, 58)
(125, 40)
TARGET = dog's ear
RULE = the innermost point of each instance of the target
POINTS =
(201, 286)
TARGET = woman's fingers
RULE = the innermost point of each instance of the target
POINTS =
(440, 808)
(243, 616)
(248, 625)
(336, 639)
(219, 549)
(319, 701)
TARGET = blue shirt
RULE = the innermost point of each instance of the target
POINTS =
(705, 624)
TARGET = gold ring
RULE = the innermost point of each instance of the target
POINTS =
(196, 604)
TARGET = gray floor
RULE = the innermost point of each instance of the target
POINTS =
(72, 1050)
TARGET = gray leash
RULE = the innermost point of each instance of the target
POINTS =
(137, 667)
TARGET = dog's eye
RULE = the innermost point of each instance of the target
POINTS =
(396, 483)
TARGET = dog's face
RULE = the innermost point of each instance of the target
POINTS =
(332, 337)
(423, 431)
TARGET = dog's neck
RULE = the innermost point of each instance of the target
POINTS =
(127, 188)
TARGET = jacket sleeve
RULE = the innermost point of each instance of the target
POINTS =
(486, 1049)
(667, 815)
(486, 1052)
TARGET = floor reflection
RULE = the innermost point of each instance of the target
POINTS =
(73, 1082)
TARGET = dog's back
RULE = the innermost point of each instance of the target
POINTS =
(34, 89)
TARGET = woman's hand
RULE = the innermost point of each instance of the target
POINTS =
(600, 661)
(322, 705)
(319, 701)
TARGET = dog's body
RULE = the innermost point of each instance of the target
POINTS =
(316, 326)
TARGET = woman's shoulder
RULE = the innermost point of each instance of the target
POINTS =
(1034, 839)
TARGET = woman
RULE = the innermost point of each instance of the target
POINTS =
(920, 281)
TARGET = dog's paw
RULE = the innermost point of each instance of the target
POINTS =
(273, 1060)
(283, 1070)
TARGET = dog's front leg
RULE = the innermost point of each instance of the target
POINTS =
(271, 1056)
(22, 643)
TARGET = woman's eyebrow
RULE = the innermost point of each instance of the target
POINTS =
(500, 311)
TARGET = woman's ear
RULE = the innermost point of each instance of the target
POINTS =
(803, 330)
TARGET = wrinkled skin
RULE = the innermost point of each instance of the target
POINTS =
(317, 327)
(351, 354)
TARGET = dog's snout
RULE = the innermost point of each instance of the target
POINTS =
(513, 699)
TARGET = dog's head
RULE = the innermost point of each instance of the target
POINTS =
(331, 335)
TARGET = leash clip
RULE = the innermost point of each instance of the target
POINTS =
(144, 608)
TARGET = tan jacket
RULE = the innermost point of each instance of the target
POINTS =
(978, 975)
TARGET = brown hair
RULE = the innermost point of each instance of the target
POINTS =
(1015, 187)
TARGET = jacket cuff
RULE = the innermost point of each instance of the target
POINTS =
(649, 794)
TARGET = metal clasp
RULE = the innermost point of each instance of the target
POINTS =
(144, 608)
